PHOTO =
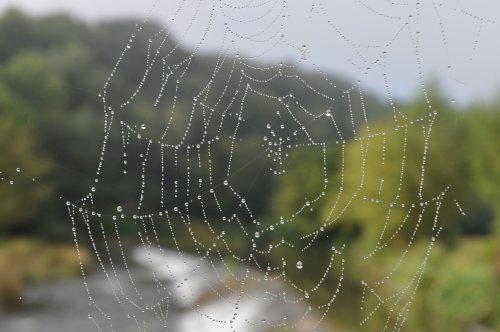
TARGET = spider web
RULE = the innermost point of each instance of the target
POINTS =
(195, 162)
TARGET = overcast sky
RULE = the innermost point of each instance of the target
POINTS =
(390, 46)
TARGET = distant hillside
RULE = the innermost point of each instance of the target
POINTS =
(52, 69)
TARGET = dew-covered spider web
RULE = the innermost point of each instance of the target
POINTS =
(221, 254)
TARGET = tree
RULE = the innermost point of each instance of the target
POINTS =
(21, 198)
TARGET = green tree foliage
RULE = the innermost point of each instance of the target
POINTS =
(480, 142)
(379, 183)
(21, 201)
(396, 168)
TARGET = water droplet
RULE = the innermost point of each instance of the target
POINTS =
(143, 126)
(119, 208)
(299, 265)
(18, 170)
(257, 234)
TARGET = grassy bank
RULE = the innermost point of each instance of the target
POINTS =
(26, 261)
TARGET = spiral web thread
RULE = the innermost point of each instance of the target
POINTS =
(179, 176)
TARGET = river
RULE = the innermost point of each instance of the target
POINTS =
(192, 307)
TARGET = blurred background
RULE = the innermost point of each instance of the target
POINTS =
(52, 67)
